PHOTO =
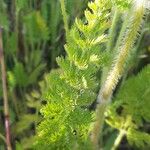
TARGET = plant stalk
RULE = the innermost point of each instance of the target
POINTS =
(5, 98)
(111, 41)
(65, 16)
(118, 139)
(113, 30)
(106, 91)
(122, 132)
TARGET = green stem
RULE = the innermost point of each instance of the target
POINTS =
(118, 139)
(111, 41)
(121, 34)
(65, 17)
(98, 125)
(122, 133)
(117, 70)
(133, 58)
(113, 30)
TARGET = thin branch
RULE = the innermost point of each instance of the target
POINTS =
(122, 133)
(5, 98)
(113, 30)
(65, 17)
(111, 42)
(118, 139)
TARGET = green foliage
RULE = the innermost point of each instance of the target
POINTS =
(71, 90)
(3, 15)
(131, 108)
(33, 37)
(36, 28)
(122, 4)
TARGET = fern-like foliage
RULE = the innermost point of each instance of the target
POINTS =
(73, 88)
(130, 110)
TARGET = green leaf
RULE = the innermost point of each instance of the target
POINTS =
(140, 139)
(132, 101)
(20, 75)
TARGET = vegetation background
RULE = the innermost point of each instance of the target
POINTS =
(33, 36)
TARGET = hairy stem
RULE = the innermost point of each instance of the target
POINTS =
(111, 41)
(121, 33)
(98, 125)
(117, 70)
(65, 17)
(5, 98)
